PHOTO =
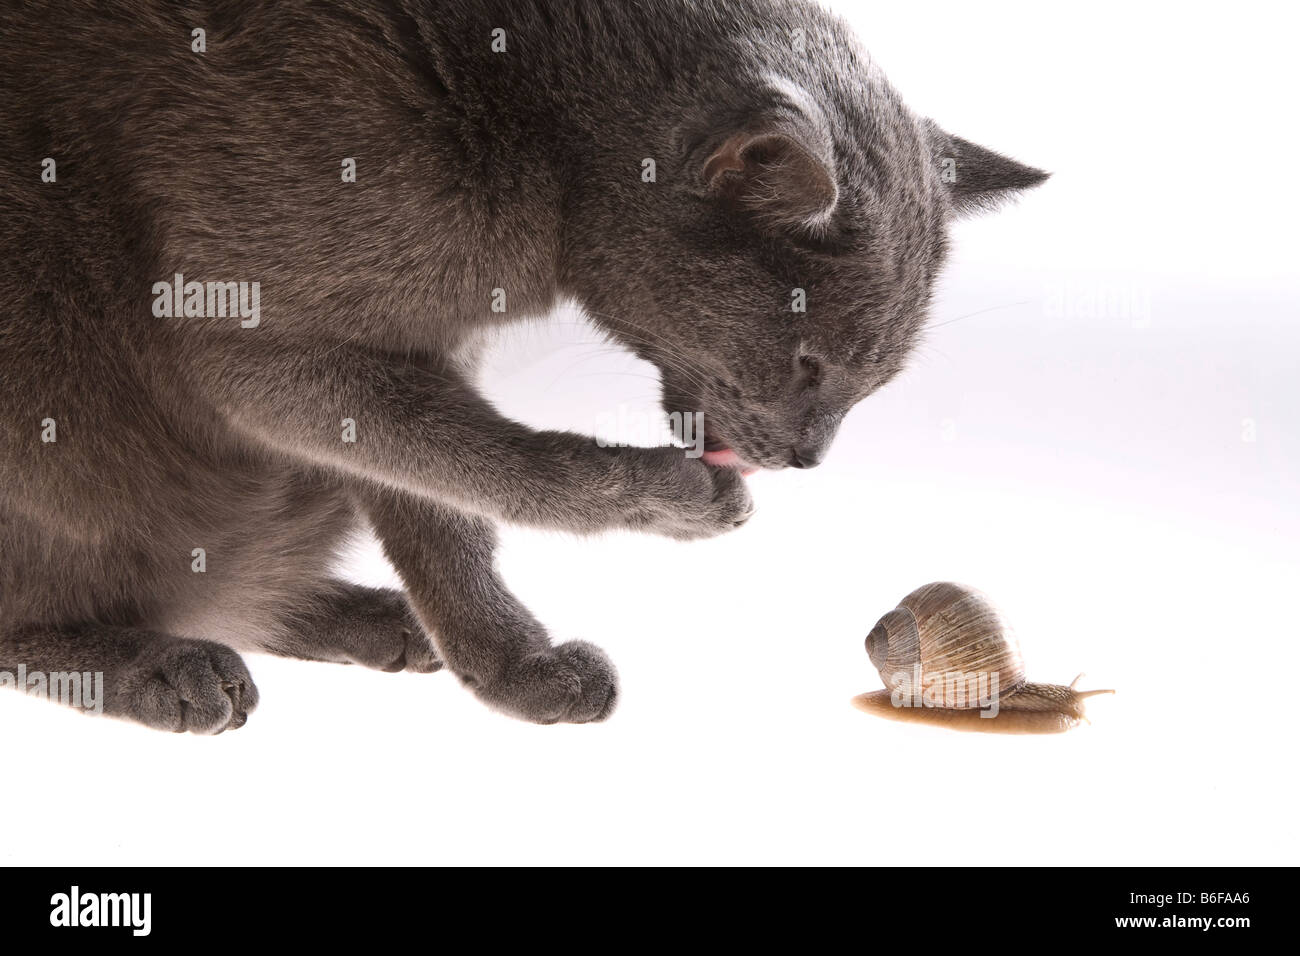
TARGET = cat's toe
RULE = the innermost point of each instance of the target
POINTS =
(420, 655)
(724, 505)
(410, 649)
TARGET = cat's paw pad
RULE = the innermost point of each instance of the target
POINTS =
(571, 683)
(680, 497)
(716, 500)
(188, 686)
(731, 504)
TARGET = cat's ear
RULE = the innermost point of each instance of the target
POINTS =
(780, 175)
(978, 178)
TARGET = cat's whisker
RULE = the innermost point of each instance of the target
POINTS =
(598, 353)
(648, 337)
(697, 375)
(971, 315)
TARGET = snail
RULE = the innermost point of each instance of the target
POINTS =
(947, 659)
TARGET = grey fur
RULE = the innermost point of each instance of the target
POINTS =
(475, 171)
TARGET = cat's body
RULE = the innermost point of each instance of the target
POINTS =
(477, 170)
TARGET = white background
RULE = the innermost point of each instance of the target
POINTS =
(1086, 465)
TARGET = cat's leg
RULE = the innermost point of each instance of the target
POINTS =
(352, 624)
(484, 634)
(425, 430)
(164, 682)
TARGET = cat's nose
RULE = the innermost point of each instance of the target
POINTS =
(807, 456)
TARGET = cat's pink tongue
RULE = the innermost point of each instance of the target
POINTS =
(726, 458)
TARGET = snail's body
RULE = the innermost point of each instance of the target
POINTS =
(1034, 709)
(948, 660)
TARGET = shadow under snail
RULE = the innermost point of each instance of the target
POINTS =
(947, 659)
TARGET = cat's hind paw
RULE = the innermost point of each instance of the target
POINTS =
(186, 686)
(376, 628)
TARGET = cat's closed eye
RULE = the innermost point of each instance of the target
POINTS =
(812, 371)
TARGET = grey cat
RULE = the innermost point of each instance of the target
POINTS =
(176, 476)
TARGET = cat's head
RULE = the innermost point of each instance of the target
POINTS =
(778, 266)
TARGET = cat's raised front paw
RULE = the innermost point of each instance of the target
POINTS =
(688, 499)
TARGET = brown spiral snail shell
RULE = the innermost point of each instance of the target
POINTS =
(947, 658)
